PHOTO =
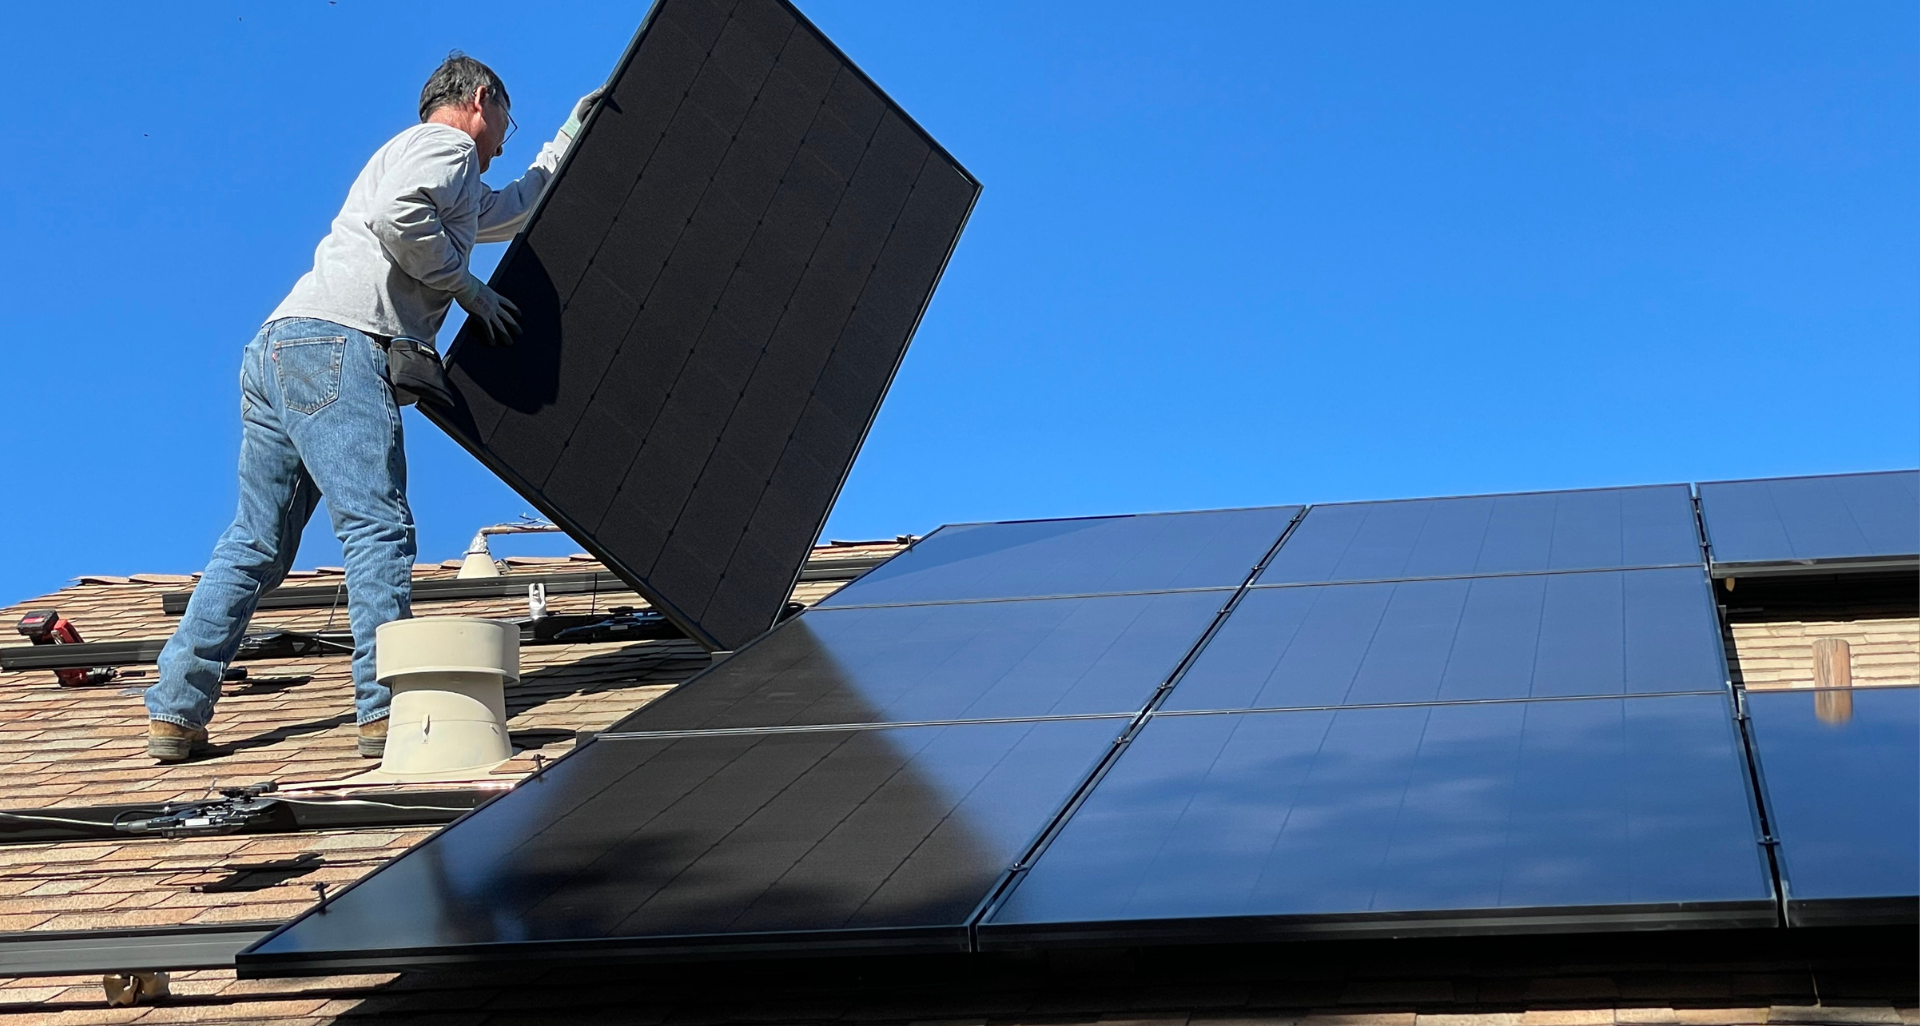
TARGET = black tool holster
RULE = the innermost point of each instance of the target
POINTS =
(415, 371)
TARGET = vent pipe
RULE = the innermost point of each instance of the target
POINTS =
(448, 675)
(478, 560)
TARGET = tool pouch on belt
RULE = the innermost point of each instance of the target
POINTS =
(416, 373)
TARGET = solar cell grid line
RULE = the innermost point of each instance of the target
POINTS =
(1078, 556)
(1032, 657)
(1591, 814)
(1836, 769)
(717, 291)
(823, 429)
(1599, 529)
(1832, 522)
(712, 406)
(808, 842)
(604, 174)
(660, 271)
(1565, 634)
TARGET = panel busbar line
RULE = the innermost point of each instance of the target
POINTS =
(716, 292)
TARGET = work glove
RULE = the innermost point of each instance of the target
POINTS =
(571, 130)
(495, 313)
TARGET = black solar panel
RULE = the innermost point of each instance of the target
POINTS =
(794, 842)
(1604, 529)
(716, 293)
(1822, 522)
(1461, 639)
(1088, 556)
(1511, 816)
(979, 660)
(1838, 770)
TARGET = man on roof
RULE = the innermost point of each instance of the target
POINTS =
(318, 408)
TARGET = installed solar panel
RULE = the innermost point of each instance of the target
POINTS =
(891, 664)
(1604, 529)
(1827, 522)
(1838, 773)
(1497, 816)
(1093, 555)
(716, 292)
(1491, 736)
(1462, 639)
(811, 841)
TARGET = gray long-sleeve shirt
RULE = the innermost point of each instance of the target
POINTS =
(398, 249)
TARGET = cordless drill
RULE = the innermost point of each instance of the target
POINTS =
(46, 627)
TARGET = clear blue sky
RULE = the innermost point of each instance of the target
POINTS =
(1245, 253)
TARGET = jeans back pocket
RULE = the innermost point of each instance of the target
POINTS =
(308, 370)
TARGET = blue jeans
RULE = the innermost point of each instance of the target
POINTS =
(317, 418)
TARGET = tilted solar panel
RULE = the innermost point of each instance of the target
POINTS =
(1500, 816)
(1602, 529)
(791, 842)
(971, 660)
(1082, 556)
(716, 292)
(1608, 632)
(1837, 767)
(1821, 523)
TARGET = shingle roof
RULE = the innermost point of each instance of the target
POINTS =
(290, 721)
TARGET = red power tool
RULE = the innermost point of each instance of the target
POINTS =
(45, 627)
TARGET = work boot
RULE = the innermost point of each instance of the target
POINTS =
(170, 742)
(373, 739)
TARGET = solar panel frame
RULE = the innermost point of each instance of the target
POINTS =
(1103, 918)
(1410, 539)
(1830, 523)
(1574, 634)
(1101, 655)
(1045, 551)
(743, 494)
(1840, 800)
(713, 845)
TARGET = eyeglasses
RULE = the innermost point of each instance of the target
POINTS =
(512, 125)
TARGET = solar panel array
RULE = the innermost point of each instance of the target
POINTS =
(1482, 728)
(861, 778)
(716, 292)
(1494, 714)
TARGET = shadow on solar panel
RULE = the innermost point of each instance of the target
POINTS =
(716, 290)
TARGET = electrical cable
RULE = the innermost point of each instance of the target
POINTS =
(177, 871)
(363, 801)
(70, 822)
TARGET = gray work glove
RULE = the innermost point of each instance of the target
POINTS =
(579, 116)
(495, 313)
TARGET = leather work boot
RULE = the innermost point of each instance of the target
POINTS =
(170, 742)
(373, 739)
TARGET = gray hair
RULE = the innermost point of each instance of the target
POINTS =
(452, 84)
